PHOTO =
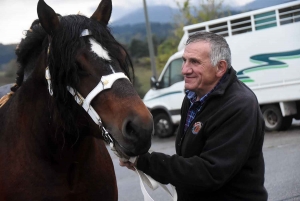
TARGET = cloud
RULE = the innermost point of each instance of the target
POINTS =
(16, 16)
(238, 2)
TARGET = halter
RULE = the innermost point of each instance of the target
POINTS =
(106, 82)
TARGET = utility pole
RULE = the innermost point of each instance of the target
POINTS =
(150, 42)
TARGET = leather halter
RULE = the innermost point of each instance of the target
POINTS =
(106, 82)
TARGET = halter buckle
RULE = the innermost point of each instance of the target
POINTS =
(105, 82)
(106, 136)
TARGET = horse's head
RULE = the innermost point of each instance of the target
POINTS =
(87, 65)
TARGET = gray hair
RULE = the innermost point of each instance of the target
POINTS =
(219, 48)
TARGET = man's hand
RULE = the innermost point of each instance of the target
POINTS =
(128, 164)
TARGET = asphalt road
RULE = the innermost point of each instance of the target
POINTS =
(282, 165)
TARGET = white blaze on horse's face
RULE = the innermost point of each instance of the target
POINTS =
(99, 50)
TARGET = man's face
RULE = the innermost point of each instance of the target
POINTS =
(199, 74)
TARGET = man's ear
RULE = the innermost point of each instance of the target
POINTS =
(221, 68)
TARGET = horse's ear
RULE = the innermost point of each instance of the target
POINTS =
(103, 12)
(48, 18)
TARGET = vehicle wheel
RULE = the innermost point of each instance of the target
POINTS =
(162, 125)
(274, 120)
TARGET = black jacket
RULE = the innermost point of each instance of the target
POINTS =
(222, 159)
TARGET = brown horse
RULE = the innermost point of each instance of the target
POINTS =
(51, 134)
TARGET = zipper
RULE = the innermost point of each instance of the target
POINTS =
(214, 94)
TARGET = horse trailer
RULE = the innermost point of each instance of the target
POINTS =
(265, 47)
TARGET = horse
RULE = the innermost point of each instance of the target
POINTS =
(77, 98)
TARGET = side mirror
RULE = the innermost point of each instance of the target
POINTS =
(153, 82)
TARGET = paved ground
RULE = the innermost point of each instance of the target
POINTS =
(282, 159)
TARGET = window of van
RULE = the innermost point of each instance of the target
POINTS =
(172, 74)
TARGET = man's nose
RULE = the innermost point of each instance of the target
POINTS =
(186, 69)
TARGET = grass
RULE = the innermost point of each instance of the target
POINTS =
(143, 73)
(143, 78)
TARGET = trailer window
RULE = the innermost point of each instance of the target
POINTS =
(196, 29)
(242, 25)
(265, 20)
(220, 29)
(289, 15)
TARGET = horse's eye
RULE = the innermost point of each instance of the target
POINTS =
(81, 70)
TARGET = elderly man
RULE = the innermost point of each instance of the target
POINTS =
(220, 137)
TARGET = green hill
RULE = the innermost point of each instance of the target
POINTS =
(125, 33)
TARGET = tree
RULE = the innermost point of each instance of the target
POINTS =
(212, 10)
(191, 14)
(165, 50)
(138, 48)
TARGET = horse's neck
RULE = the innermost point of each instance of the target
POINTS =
(34, 115)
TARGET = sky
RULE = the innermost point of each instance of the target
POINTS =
(16, 16)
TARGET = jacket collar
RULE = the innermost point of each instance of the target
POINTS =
(228, 80)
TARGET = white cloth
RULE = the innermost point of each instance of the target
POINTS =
(146, 179)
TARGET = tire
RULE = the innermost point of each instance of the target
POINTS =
(274, 121)
(163, 125)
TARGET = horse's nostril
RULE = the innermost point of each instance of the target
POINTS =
(138, 129)
(129, 129)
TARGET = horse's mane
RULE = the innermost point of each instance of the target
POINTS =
(27, 52)
(62, 64)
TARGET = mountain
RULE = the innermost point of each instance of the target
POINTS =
(132, 25)
(160, 14)
(165, 14)
(125, 33)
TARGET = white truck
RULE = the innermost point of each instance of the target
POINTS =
(265, 47)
